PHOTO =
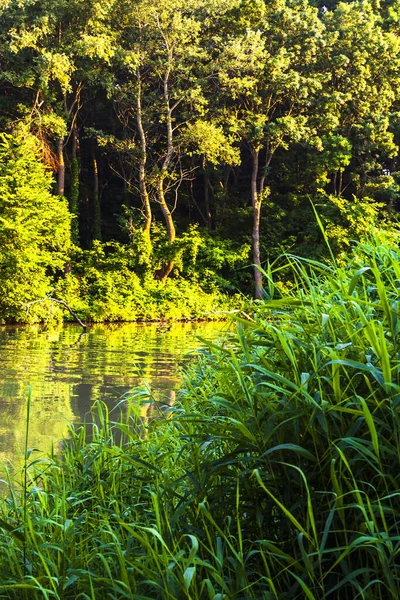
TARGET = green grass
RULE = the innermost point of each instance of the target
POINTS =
(275, 476)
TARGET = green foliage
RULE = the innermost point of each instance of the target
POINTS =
(360, 219)
(104, 286)
(335, 156)
(292, 226)
(299, 443)
(212, 261)
(34, 227)
(209, 141)
(203, 110)
(275, 475)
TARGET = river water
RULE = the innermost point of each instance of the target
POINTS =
(67, 371)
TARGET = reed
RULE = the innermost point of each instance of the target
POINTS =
(275, 476)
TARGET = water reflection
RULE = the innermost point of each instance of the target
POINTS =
(68, 371)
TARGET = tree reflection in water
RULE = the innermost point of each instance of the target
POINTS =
(68, 371)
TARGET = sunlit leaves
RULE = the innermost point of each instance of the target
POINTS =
(34, 225)
(210, 141)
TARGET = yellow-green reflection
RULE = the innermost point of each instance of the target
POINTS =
(68, 371)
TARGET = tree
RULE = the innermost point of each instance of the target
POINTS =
(267, 78)
(362, 61)
(55, 51)
(34, 226)
(160, 98)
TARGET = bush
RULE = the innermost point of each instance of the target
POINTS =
(104, 287)
(289, 225)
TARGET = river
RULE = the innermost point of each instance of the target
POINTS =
(67, 371)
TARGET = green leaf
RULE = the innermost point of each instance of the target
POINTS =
(188, 576)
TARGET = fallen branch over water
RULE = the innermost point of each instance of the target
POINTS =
(50, 299)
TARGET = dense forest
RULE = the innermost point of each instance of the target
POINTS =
(147, 144)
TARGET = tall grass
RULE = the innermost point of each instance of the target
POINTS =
(276, 475)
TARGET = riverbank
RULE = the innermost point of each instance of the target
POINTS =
(275, 474)
(122, 297)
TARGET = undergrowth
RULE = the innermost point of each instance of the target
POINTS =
(275, 476)
(105, 285)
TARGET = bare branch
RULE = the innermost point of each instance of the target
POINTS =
(50, 299)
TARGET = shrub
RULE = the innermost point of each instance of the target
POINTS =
(104, 287)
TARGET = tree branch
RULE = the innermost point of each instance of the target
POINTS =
(29, 304)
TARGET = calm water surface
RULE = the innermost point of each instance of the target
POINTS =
(68, 371)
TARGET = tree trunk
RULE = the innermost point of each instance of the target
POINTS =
(206, 180)
(169, 222)
(256, 202)
(340, 182)
(334, 184)
(96, 198)
(142, 164)
(74, 193)
(166, 269)
(60, 168)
